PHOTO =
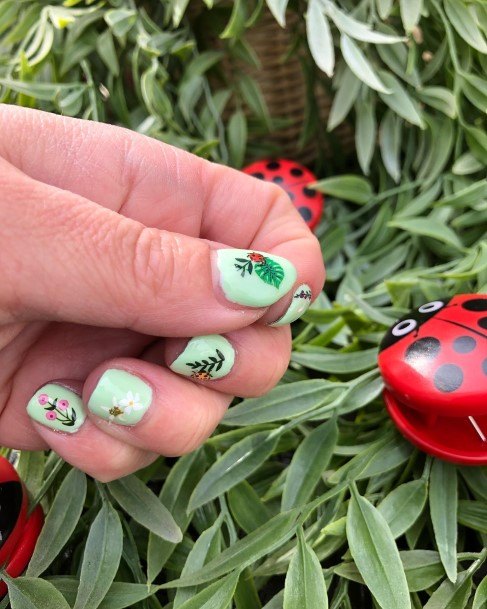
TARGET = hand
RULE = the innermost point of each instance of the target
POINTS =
(115, 251)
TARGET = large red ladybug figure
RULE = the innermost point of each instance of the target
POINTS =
(434, 364)
(294, 179)
(18, 531)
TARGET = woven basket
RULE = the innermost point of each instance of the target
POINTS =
(282, 83)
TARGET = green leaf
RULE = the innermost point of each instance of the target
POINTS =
(466, 197)
(308, 464)
(101, 558)
(358, 29)
(480, 598)
(120, 21)
(234, 466)
(451, 596)
(472, 514)
(319, 38)
(440, 98)
(462, 19)
(214, 596)
(330, 360)
(390, 144)
(443, 501)
(270, 271)
(305, 584)
(360, 65)
(428, 227)
(410, 13)
(60, 523)
(247, 508)
(30, 468)
(282, 403)
(375, 554)
(244, 552)
(477, 142)
(344, 99)
(237, 138)
(33, 593)
(403, 506)
(278, 9)
(365, 133)
(144, 507)
(106, 50)
(348, 187)
(399, 101)
(119, 596)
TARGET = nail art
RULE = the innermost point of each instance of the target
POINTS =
(57, 407)
(205, 358)
(254, 279)
(120, 397)
(299, 305)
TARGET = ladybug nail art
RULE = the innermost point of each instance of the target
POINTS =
(434, 365)
(18, 531)
(294, 179)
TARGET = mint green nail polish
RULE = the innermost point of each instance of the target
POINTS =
(57, 407)
(254, 279)
(299, 304)
(120, 397)
(205, 358)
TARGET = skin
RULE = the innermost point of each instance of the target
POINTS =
(107, 243)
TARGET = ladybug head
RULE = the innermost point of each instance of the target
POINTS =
(411, 322)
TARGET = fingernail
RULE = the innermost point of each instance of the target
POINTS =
(57, 407)
(205, 358)
(254, 279)
(299, 305)
(120, 397)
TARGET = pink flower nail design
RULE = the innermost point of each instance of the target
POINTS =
(43, 399)
(63, 404)
(50, 415)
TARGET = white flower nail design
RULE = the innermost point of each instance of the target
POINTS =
(130, 402)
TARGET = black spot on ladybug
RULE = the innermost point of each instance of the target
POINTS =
(309, 192)
(258, 175)
(423, 349)
(290, 195)
(296, 172)
(305, 213)
(484, 366)
(476, 304)
(464, 344)
(273, 165)
(278, 180)
(10, 502)
(448, 378)
(483, 322)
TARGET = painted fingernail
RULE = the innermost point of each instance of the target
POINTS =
(57, 407)
(254, 279)
(205, 358)
(120, 397)
(299, 305)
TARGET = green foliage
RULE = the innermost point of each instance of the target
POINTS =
(308, 488)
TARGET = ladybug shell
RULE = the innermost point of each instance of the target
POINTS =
(435, 358)
(13, 509)
(294, 179)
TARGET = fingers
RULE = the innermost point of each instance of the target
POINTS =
(165, 188)
(247, 363)
(82, 263)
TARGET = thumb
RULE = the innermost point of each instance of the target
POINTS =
(65, 258)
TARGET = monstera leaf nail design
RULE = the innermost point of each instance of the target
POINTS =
(267, 269)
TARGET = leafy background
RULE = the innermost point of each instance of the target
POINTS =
(306, 497)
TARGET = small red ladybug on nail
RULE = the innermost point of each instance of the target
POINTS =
(434, 365)
(294, 179)
(18, 530)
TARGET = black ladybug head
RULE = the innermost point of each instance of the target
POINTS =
(11, 495)
(411, 322)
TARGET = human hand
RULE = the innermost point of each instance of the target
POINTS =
(114, 251)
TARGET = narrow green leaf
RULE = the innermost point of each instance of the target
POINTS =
(101, 558)
(237, 138)
(145, 508)
(399, 101)
(247, 508)
(308, 464)
(443, 499)
(440, 98)
(467, 196)
(473, 514)
(375, 554)
(403, 506)
(330, 360)
(390, 144)
(348, 187)
(451, 596)
(305, 584)
(30, 468)
(234, 466)
(480, 598)
(214, 596)
(60, 523)
(428, 227)
(360, 65)
(365, 133)
(119, 596)
(466, 164)
(410, 13)
(319, 38)
(358, 29)
(344, 99)
(33, 593)
(462, 19)
(278, 9)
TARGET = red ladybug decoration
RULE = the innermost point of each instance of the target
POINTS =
(434, 365)
(294, 179)
(18, 531)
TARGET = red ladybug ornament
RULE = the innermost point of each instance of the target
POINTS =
(18, 531)
(294, 179)
(434, 365)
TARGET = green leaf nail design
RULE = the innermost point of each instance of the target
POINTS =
(267, 269)
(202, 369)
